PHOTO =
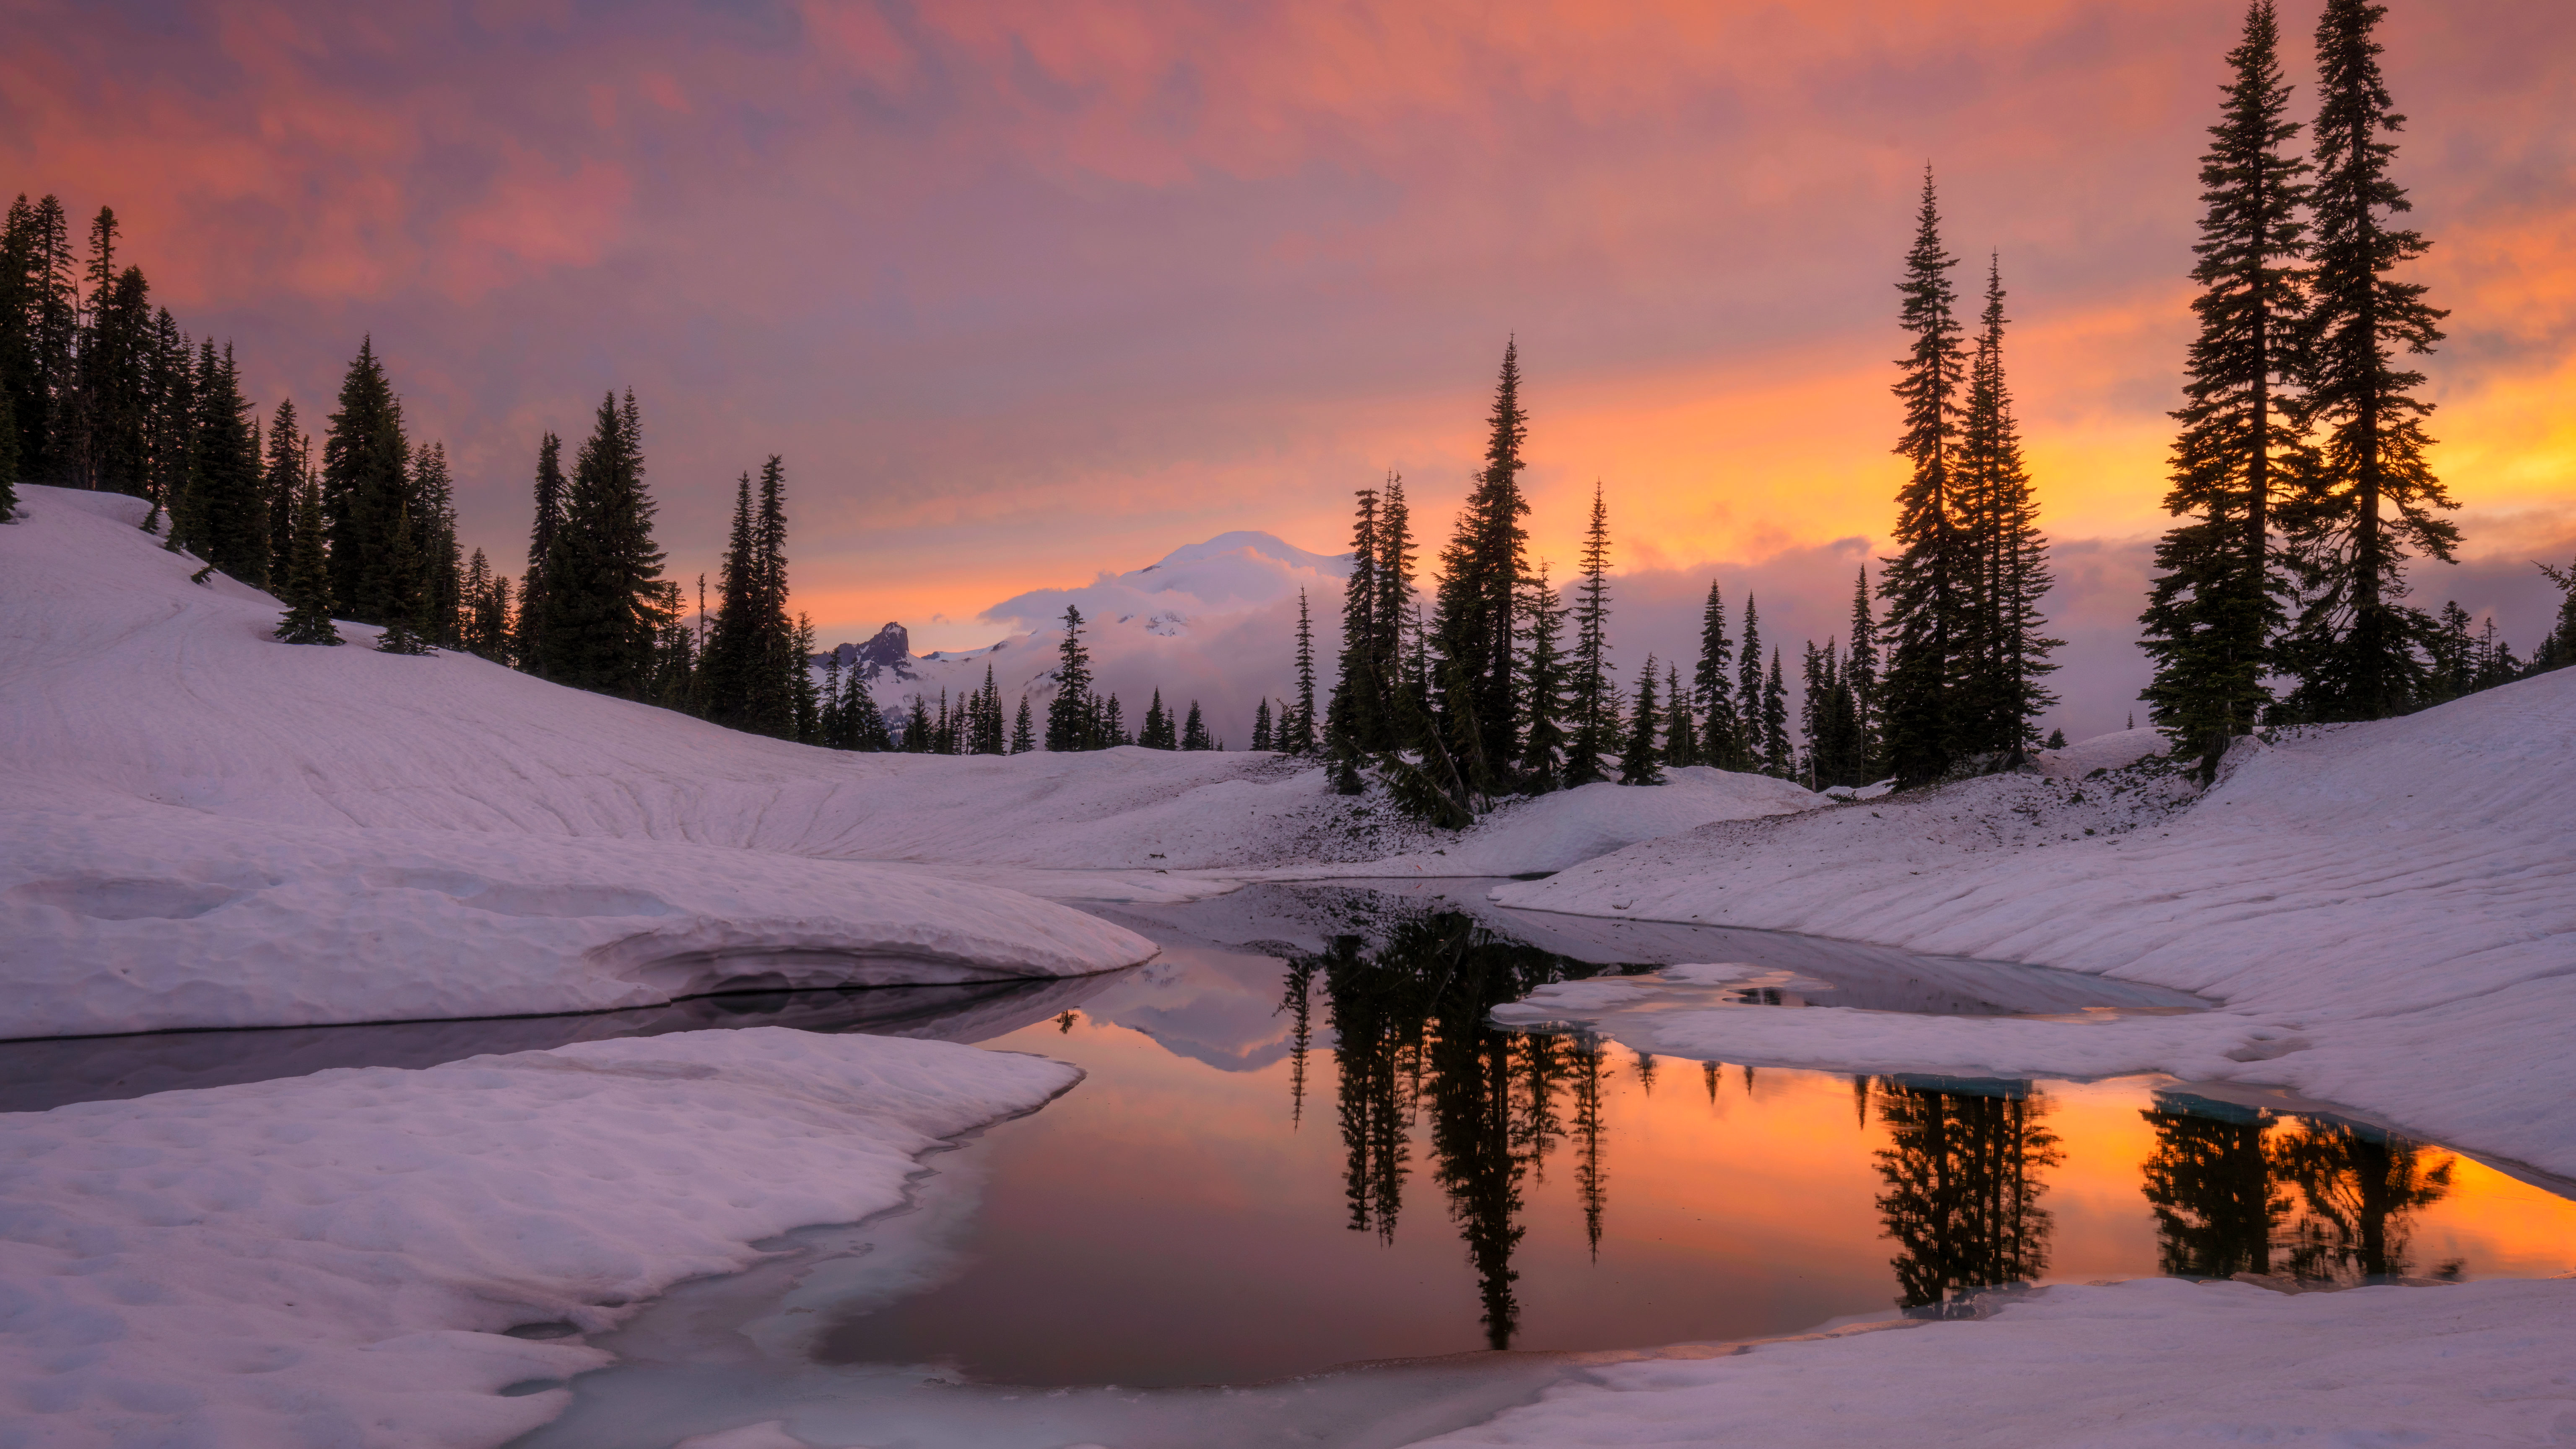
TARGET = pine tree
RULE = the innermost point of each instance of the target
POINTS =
(1158, 732)
(1999, 695)
(1638, 764)
(989, 737)
(307, 587)
(487, 610)
(920, 735)
(47, 381)
(1593, 707)
(1860, 677)
(1925, 584)
(1261, 739)
(1354, 721)
(1023, 737)
(728, 670)
(1778, 758)
(442, 581)
(1543, 689)
(171, 386)
(1722, 743)
(366, 490)
(1297, 725)
(1748, 688)
(404, 598)
(1194, 731)
(2215, 605)
(2558, 650)
(603, 591)
(550, 490)
(1681, 736)
(1111, 731)
(19, 420)
(1480, 588)
(1069, 716)
(1398, 614)
(2372, 500)
(278, 485)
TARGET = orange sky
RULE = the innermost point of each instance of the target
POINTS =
(1024, 292)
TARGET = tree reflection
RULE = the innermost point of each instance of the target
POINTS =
(1962, 1171)
(1411, 1041)
(2238, 1190)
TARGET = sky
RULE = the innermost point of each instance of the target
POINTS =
(1024, 294)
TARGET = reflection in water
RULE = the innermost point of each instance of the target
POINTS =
(1410, 1035)
(2239, 1190)
(1962, 1171)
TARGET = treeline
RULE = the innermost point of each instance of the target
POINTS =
(2300, 473)
(1503, 686)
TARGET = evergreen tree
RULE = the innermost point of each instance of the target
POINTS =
(47, 342)
(366, 490)
(487, 610)
(1778, 757)
(989, 736)
(229, 516)
(1261, 738)
(603, 574)
(1925, 584)
(728, 667)
(1023, 736)
(1297, 724)
(1543, 689)
(1480, 590)
(1860, 677)
(1069, 716)
(1999, 694)
(1748, 687)
(1354, 720)
(1158, 732)
(1681, 737)
(171, 385)
(2559, 649)
(279, 481)
(1194, 731)
(1594, 708)
(1722, 743)
(2372, 501)
(8, 459)
(107, 423)
(920, 736)
(1638, 764)
(1398, 614)
(442, 576)
(19, 421)
(307, 587)
(404, 599)
(2215, 604)
(550, 491)
(1111, 731)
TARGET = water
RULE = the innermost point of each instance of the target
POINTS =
(1301, 1145)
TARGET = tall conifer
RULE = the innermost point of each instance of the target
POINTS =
(1638, 760)
(1543, 689)
(1480, 586)
(2372, 501)
(2215, 604)
(1721, 743)
(279, 478)
(1681, 734)
(603, 595)
(1296, 734)
(1354, 721)
(541, 541)
(1999, 694)
(1592, 702)
(1925, 584)
(1778, 757)
(1070, 722)
(306, 591)
(1860, 676)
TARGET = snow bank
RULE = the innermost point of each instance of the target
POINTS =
(2157, 1362)
(334, 1259)
(2388, 912)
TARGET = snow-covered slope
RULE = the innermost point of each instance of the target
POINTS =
(2387, 910)
(335, 1259)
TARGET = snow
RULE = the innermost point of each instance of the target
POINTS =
(333, 1259)
(2156, 1361)
(2386, 911)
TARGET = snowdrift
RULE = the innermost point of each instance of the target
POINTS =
(335, 1259)
(2387, 911)
(201, 827)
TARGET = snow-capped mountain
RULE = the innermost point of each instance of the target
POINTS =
(1214, 622)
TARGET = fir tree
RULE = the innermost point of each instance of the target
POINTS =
(1297, 725)
(1111, 731)
(920, 735)
(1354, 722)
(1748, 687)
(1158, 733)
(1778, 758)
(1593, 707)
(442, 580)
(2215, 604)
(487, 610)
(1681, 737)
(541, 542)
(1480, 589)
(603, 590)
(2558, 650)
(1924, 585)
(405, 602)
(18, 419)
(306, 590)
(1722, 743)
(1023, 736)
(989, 735)
(2372, 501)
(45, 347)
(171, 373)
(1194, 731)
(1999, 694)
(1638, 764)
(279, 481)
(1069, 718)
(1543, 689)
(1860, 677)
(1397, 614)
(729, 664)
(1261, 739)
(366, 490)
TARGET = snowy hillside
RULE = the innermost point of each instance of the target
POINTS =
(2388, 911)
(398, 837)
